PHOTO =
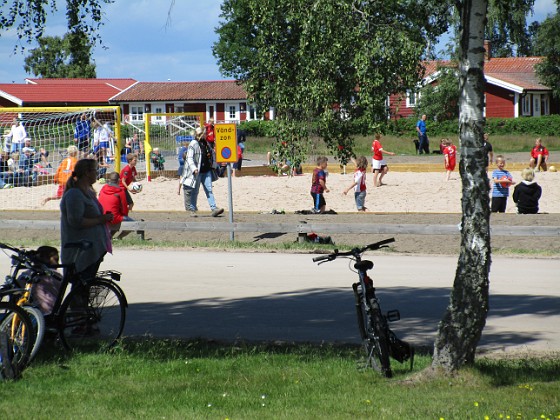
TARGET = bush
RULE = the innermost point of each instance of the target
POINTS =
(406, 127)
(258, 128)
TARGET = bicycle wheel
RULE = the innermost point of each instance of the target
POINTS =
(39, 326)
(376, 342)
(15, 322)
(92, 317)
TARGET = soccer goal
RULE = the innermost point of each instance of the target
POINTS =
(161, 137)
(35, 141)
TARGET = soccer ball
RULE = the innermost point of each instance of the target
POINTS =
(552, 168)
(504, 184)
(136, 187)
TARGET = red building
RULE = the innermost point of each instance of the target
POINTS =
(512, 90)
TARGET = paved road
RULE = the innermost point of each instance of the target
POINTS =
(257, 296)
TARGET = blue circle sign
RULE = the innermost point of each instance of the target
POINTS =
(226, 152)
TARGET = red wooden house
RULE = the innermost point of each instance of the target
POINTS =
(512, 90)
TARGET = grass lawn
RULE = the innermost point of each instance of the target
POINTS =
(405, 146)
(170, 379)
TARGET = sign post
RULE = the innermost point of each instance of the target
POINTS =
(226, 152)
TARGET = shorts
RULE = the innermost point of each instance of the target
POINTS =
(237, 165)
(377, 165)
(499, 204)
(318, 200)
(450, 167)
(101, 145)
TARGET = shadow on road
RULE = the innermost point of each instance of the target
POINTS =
(328, 315)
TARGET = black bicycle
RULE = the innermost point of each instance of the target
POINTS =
(379, 341)
(89, 316)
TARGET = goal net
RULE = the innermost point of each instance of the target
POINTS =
(35, 141)
(158, 140)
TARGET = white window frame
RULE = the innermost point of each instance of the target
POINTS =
(158, 110)
(412, 99)
(232, 112)
(136, 112)
(545, 105)
(537, 105)
(526, 104)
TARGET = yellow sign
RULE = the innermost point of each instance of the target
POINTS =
(226, 143)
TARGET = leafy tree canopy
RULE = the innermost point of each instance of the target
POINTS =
(29, 17)
(441, 101)
(507, 28)
(326, 62)
(548, 45)
(55, 58)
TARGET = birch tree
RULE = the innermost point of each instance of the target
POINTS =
(461, 327)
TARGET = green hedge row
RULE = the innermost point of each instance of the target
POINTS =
(406, 127)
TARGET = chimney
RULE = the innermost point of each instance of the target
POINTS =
(487, 53)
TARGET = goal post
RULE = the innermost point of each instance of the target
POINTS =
(34, 141)
(165, 133)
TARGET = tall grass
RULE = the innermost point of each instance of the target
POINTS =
(171, 379)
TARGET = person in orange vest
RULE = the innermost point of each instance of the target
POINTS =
(63, 173)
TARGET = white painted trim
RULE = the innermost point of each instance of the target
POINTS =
(516, 105)
(505, 85)
(11, 98)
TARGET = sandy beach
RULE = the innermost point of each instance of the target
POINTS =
(404, 192)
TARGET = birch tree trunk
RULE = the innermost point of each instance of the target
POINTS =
(461, 327)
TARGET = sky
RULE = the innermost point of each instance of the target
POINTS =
(143, 45)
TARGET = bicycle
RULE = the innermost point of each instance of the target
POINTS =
(17, 326)
(379, 341)
(91, 316)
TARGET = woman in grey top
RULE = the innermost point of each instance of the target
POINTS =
(82, 218)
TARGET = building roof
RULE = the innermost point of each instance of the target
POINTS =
(63, 91)
(515, 73)
(119, 84)
(182, 91)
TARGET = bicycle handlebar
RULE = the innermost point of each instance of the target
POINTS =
(355, 251)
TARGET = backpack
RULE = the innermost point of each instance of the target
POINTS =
(8, 370)
(205, 156)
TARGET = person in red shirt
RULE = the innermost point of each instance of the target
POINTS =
(378, 164)
(113, 200)
(209, 129)
(450, 155)
(128, 176)
(539, 156)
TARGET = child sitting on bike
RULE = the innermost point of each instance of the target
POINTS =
(45, 291)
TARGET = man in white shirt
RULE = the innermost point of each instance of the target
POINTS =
(17, 136)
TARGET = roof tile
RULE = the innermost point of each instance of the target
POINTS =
(183, 91)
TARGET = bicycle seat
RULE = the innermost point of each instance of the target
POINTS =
(364, 265)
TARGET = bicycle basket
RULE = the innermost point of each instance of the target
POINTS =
(399, 350)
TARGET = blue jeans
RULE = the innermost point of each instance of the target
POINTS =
(423, 144)
(360, 199)
(191, 194)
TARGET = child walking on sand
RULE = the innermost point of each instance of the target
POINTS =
(319, 185)
(378, 164)
(359, 183)
(501, 180)
(450, 155)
